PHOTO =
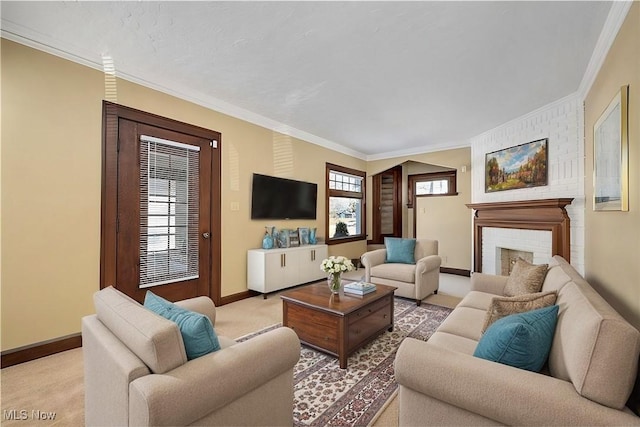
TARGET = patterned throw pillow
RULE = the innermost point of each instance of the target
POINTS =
(525, 278)
(504, 306)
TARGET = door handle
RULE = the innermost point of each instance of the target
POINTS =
(206, 235)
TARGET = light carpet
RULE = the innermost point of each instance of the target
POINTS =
(325, 395)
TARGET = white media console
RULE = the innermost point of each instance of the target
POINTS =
(269, 270)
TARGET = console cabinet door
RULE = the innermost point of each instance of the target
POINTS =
(274, 269)
(310, 261)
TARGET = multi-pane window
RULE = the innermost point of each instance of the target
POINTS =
(169, 192)
(345, 203)
(437, 186)
(432, 184)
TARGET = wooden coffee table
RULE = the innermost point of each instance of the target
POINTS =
(337, 324)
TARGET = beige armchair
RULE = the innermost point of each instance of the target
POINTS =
(415, 281)
(137, 373)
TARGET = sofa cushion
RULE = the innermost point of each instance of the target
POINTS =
(594, 347)
(400, 250)
(155, 340)
(453, 342)
(556, 277)
(399, 272)
(464, 322)
(525, 278)
(476, 299)
(198, 334)
(520, 340)
(505, 306)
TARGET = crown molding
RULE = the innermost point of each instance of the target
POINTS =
(417, 151)
(14, 33)
(615, 19)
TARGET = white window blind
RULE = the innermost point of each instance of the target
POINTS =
(169, 214)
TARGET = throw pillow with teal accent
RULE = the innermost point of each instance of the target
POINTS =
(521, 340)
(197, 331)
(400, 250)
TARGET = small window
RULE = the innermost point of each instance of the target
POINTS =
(432, 184)
(345, 204)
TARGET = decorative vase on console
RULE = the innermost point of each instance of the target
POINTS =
(267, 240)
(335, 266)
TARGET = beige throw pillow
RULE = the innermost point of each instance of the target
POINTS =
(525, 278)
(504, 306)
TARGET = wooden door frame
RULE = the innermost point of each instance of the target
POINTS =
(111, 115)
(396, 171)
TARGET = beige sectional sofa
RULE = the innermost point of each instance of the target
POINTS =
(137, 373)
(589, 376)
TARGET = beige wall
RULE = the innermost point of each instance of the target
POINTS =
(438, 210)
(51, 183)
(612, 239)
(447, 220)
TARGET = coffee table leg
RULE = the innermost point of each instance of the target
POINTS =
(343, 362)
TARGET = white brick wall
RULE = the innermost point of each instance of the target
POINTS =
(562, 123)
(536, 241)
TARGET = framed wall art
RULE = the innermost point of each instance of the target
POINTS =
(294, 238)
(303, 234)
(611, 156)
(522, 166)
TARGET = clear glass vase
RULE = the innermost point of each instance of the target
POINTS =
(335, 282)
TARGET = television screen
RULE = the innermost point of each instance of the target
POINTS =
(280, 198)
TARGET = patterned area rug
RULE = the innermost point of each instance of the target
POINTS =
(325, 395)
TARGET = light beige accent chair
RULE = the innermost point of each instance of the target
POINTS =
(137, 373)
(415, 281)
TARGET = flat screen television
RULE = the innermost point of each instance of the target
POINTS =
(281, 198)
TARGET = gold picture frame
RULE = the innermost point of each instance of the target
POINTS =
(611, 155)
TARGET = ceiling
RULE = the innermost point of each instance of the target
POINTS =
(371, 79)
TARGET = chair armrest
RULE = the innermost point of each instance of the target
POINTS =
(489, 283)
(499, 392)
(208, 383)
(202, 305)
(371, 259)
(428, 263)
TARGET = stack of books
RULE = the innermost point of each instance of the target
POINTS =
(359, 288)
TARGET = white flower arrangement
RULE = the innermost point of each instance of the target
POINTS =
(336, 264)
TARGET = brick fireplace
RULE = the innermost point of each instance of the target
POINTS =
(541, 227)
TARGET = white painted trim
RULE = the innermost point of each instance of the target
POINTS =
(615, 19)
(187, 95)
(418, 151)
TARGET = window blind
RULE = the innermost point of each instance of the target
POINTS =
(169, 211)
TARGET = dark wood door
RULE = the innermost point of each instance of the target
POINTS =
(161, 206)
(387, 204)
(163, 213)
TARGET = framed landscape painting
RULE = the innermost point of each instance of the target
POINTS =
(522, 166)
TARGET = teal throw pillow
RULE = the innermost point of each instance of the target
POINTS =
(521, 340)
(400, 250)
(197, 331)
